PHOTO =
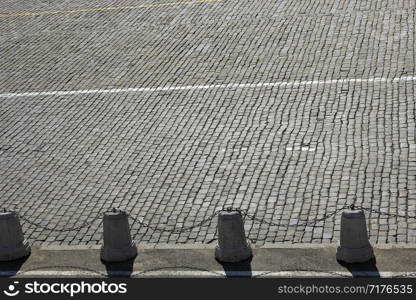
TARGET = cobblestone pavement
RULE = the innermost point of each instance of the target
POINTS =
(317, 132)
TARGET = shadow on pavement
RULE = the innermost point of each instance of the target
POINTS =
(11, 268)
(240, 269)
(119, 269)
(367, 269)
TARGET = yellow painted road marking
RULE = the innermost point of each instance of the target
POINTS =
(54, 12)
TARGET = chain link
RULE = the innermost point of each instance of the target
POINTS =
(83, 225)
(387, 214)
(175, 230)
(243, 212)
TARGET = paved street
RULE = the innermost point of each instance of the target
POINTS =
(171, 110)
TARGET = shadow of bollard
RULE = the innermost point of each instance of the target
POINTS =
(366, 269)
(239, 269)
(119, 269)
(11, 268)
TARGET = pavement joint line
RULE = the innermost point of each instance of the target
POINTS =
(212, 86)
(208, 273)
(54, 12)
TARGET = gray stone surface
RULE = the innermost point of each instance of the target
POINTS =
(288, 154)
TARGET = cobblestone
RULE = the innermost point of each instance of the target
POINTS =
(289, 153)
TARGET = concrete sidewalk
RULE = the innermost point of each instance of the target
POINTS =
(272, 260)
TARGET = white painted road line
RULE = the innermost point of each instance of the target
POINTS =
(298, 148)
(213, 86)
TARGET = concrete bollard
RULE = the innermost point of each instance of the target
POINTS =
(12, 242)
(354, 244)
(232, 243)
(118, 245)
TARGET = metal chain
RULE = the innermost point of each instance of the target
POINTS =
(243, 212)
(326, 216)
(386, 213)
(175, 230)
(83, 225)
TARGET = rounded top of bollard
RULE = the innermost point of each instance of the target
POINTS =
(353, 214)
(7, 214)
(115, 213)
(229, 214)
